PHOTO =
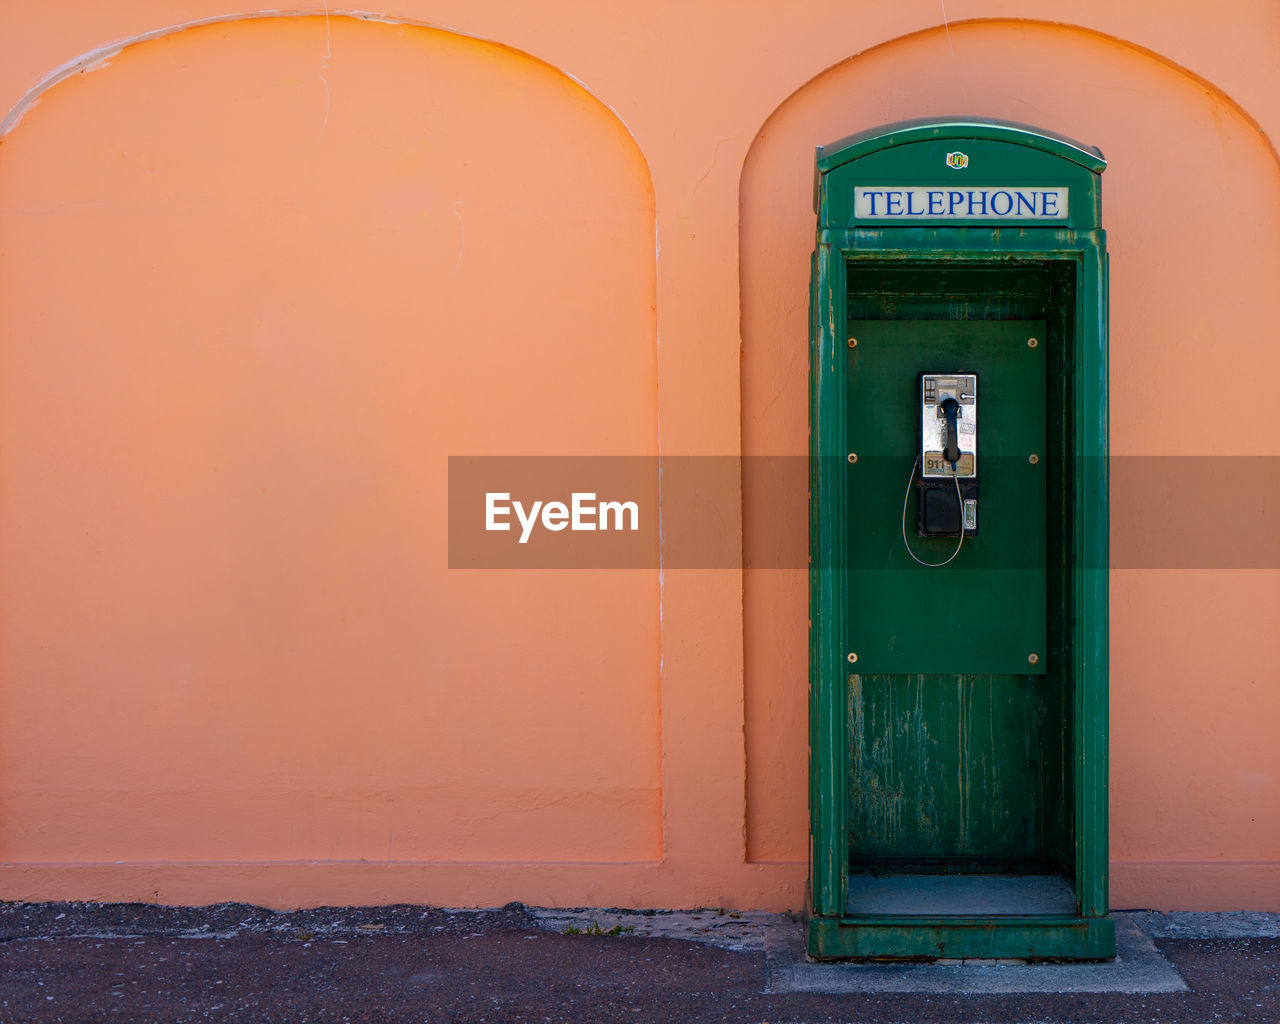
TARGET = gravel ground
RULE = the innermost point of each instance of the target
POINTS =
(133, 963)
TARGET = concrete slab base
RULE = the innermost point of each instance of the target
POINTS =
(1138, 967)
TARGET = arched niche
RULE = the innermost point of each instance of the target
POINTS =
(260, 279)
(1192, 213)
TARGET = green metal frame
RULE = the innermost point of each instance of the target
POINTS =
(832, 932)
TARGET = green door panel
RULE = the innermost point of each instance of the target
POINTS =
(985, 611)
(953, 769)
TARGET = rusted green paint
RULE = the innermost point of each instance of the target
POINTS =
(915, 938)
(1054, 737)
(955, 771)
(828, 747)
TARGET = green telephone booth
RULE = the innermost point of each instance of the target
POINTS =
(958, 532)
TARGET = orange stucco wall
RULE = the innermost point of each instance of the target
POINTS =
(260, 276)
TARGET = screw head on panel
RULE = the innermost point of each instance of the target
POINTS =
(1033, 458)
(853, 342)
(1032, 342)
(853, 457)
(852, 658)
(1033, 658)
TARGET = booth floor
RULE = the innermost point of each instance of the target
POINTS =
(976, 895)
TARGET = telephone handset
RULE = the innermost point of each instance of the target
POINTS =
(950, 410)
(949, 425)
(947, 455)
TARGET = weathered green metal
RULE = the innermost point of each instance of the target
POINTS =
(829, 756)
(955, 771)
(867, 721)
(918, 938)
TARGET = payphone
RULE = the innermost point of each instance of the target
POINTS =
(958, 515)
(948, 415)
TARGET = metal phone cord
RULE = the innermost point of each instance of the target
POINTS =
(907, 497)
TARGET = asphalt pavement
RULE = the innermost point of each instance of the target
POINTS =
(233, 962)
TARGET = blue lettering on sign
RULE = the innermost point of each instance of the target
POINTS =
(1015, 202)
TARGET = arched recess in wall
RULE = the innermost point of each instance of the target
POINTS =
(1192, 207)
(260, 280)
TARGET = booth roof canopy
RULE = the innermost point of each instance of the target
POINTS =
(860, 144)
